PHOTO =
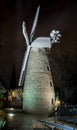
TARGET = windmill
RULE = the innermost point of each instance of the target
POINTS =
(35, 76)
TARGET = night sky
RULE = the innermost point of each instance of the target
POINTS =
(55, 14)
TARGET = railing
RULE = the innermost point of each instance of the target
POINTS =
(54, 125)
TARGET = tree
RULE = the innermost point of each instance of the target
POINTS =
(2, 92)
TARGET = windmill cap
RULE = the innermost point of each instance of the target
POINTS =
(41, 42)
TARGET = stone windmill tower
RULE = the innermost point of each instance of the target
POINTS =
(38, 93)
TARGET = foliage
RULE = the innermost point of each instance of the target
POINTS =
(2, 115)
(2, 95)
(64, 72)
(69, 79)
(2, 90)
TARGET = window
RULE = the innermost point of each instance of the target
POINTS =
(50, 83)
(52, 101)
(48, 68)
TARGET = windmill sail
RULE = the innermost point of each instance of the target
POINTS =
(26, 55)
(23, 70)
(25, 33)
(34, 24)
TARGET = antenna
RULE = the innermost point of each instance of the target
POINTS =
(34, 24)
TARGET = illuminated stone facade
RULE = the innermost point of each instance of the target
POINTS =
(38, 94)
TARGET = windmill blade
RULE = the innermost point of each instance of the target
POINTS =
(34, 24)
(26, 55)
(25, 33)
(23, 70)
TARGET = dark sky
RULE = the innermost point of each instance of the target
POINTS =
(54, 14)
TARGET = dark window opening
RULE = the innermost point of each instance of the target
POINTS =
(48, 68)
(52, 101)
(50, 83)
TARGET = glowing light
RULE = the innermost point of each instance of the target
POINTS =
(57, 102)
(13, 94)
(11, 108)
(11, 114)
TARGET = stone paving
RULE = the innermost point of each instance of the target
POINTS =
(18, 120)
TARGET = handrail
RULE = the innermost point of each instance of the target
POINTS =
(56, 125)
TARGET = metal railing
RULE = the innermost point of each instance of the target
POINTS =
(54, 125)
